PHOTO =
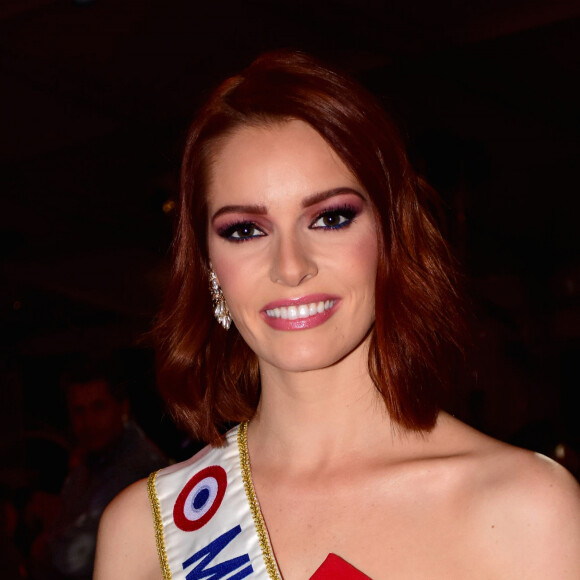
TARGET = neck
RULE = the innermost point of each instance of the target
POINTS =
(320, 415)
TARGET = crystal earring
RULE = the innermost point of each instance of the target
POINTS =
(220, 308)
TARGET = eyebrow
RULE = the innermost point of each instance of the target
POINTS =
(308, 202)
(322, 195)
(255, 209)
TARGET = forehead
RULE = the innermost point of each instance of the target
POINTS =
(267, 162)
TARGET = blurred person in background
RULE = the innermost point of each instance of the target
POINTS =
(12, 565)
(112, 452)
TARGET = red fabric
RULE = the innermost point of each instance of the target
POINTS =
(335, 568)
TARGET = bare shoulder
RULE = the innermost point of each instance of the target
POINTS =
(536, 504)
(126, 545)
(525, 510)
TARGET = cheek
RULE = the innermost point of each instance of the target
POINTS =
(369, 253)
(361, 259)
(221, 262)
(361, 267)
(234, 275)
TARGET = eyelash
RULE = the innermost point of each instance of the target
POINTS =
(345, 211)
(228, 231)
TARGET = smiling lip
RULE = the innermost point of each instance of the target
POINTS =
(300, 313)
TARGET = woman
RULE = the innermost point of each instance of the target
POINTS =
(336, 322)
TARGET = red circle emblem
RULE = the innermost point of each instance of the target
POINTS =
(200, 499)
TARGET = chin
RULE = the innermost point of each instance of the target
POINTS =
(301, 367)
(306, 359)
(303, 351)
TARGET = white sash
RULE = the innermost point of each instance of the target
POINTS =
(207, 520)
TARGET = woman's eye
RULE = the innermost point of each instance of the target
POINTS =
(242, 231)
(334, 219)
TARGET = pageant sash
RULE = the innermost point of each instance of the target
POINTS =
(207, 521)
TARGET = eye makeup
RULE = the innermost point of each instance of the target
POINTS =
(338, 212)
(240, 231)
(336, 217)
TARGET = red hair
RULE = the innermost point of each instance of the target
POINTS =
(209, 376)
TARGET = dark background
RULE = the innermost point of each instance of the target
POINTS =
(95, 99)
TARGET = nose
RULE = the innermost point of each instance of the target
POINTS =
(292, 263)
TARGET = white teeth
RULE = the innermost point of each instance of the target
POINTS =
(301, 311)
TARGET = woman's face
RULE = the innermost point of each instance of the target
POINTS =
(293, 241)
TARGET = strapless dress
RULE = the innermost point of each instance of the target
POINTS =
(335, 568)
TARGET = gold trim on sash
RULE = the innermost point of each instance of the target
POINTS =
(159, 538)
(267, 553)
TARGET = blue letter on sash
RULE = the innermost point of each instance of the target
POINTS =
(207, 554)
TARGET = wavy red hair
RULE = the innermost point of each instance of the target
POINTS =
(209, 376)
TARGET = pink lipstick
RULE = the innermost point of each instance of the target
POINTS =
(300, 313)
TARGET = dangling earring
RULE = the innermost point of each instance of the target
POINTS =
(220, 308)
